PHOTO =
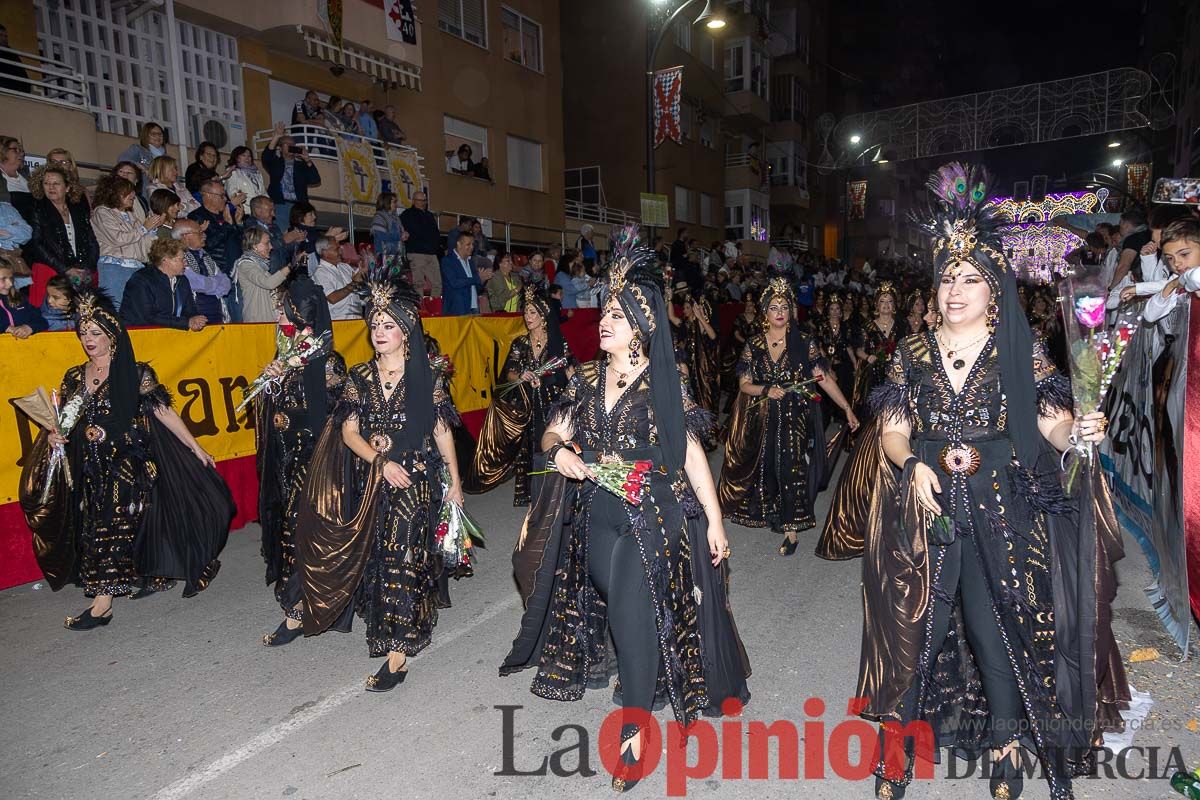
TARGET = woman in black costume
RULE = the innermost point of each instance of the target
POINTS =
(383, 468)
(512, 431)
(876, 343)
(775, 455)
(652, 573)
(287, 424)
(987, 591)
(138, 501)
(836, 345)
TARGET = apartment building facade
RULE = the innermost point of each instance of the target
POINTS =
(479, 72)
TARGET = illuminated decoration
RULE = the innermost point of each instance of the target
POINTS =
(758, 231)
(857, 195)
(1054, 205)
(1137, 177)
(1084, 105)
(1038, 250)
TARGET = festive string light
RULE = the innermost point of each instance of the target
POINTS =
(1038, 250)
(1053, 205)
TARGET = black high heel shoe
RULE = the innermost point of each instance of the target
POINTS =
(385, 680)
(283, 635)
(620, 781)
(788, 547)
(1008, 779)
(86, 621)
(886, 790)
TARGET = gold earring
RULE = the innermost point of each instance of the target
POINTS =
(993, 315)
(635, 350)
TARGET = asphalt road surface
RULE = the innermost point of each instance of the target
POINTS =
(179, 698)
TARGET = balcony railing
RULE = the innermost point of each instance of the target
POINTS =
(588, 212)
(59, 82)
(322, 143)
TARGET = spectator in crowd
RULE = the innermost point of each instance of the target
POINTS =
(662, 250)
(348, 115)
(504, 288)
(14, 231)
(1180, 244)
(534, 272)
(61, 240)
(290, 170)
(1154, 270)
(571, 262)
(734, 286)
(203, 168)
(151, 143)
(481, 241)
(389, 130)
(159, 294)
(210, 286)
(244, 178)
(387, 232)
(256, 275)
(459, 161)
(308, 111)
(14, 176)
(483, 170)
(583, 284)
(679, 250)
(166, 204)
(584, 243)
(304, 220)
(63, 158)
(461, 280)
(223, 235)
(123, 242)
(422, 245)
(340, 281)
(15, 78)
(60, 300)
(164, 174)
(283, 245)
(1134, 236)
(333, 114)
(465, 227)
(366, 120)
(132, 173)
(18, 317)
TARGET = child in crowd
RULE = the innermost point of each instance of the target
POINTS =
(17, 316)
(60, 299)
(1181, 252)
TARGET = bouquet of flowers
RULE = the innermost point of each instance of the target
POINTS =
(1093, 352)
(294, 348)
(441, 366)
(627, 480)
(549, 368)
(45, 409)
(799, 387)
(457, 534)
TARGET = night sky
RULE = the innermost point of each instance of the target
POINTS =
(886, 53)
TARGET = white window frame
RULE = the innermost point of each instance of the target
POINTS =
(684, 209)
(735, 64)
(459, 31)
(514, 174)
(708, 205)
(576, 193)
(466, 130)
(523, 21)
(126, 66)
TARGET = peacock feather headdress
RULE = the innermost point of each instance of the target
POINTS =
(962, 222)
(636, 270)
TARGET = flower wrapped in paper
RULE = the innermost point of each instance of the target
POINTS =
(457, 533)
(45, 409)
(628, 480)
(543, 371)
(294, 349)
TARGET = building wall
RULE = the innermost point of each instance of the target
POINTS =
(606, 124)
(457, 78)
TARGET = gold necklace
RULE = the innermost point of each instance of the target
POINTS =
(388, 384)
(959, 363)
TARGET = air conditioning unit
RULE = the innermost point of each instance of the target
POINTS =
(223, 133)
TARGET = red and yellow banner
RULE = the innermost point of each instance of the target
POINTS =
(207, 371)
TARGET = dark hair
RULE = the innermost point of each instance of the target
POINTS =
(299, 211)
(141, 177)
(384, 201)
(555, 290)
(15, 297)
(112, 189)
(236, 153)
(1162, 215)
(161, 201)
(1134, 216)
(200, 149)
(63, 284)
(1096, 239)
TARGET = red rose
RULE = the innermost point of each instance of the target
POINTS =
(288, 330)
(643, 466)
(1124, 333)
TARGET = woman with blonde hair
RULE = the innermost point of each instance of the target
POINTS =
(164, 174)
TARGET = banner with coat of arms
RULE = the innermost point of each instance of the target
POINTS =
(1137, 178)
(856, 195)
(668, 87)
(360, 176)
(405, 167)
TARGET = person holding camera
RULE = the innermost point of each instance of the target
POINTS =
(290, 171)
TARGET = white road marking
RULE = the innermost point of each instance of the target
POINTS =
(277, 733)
